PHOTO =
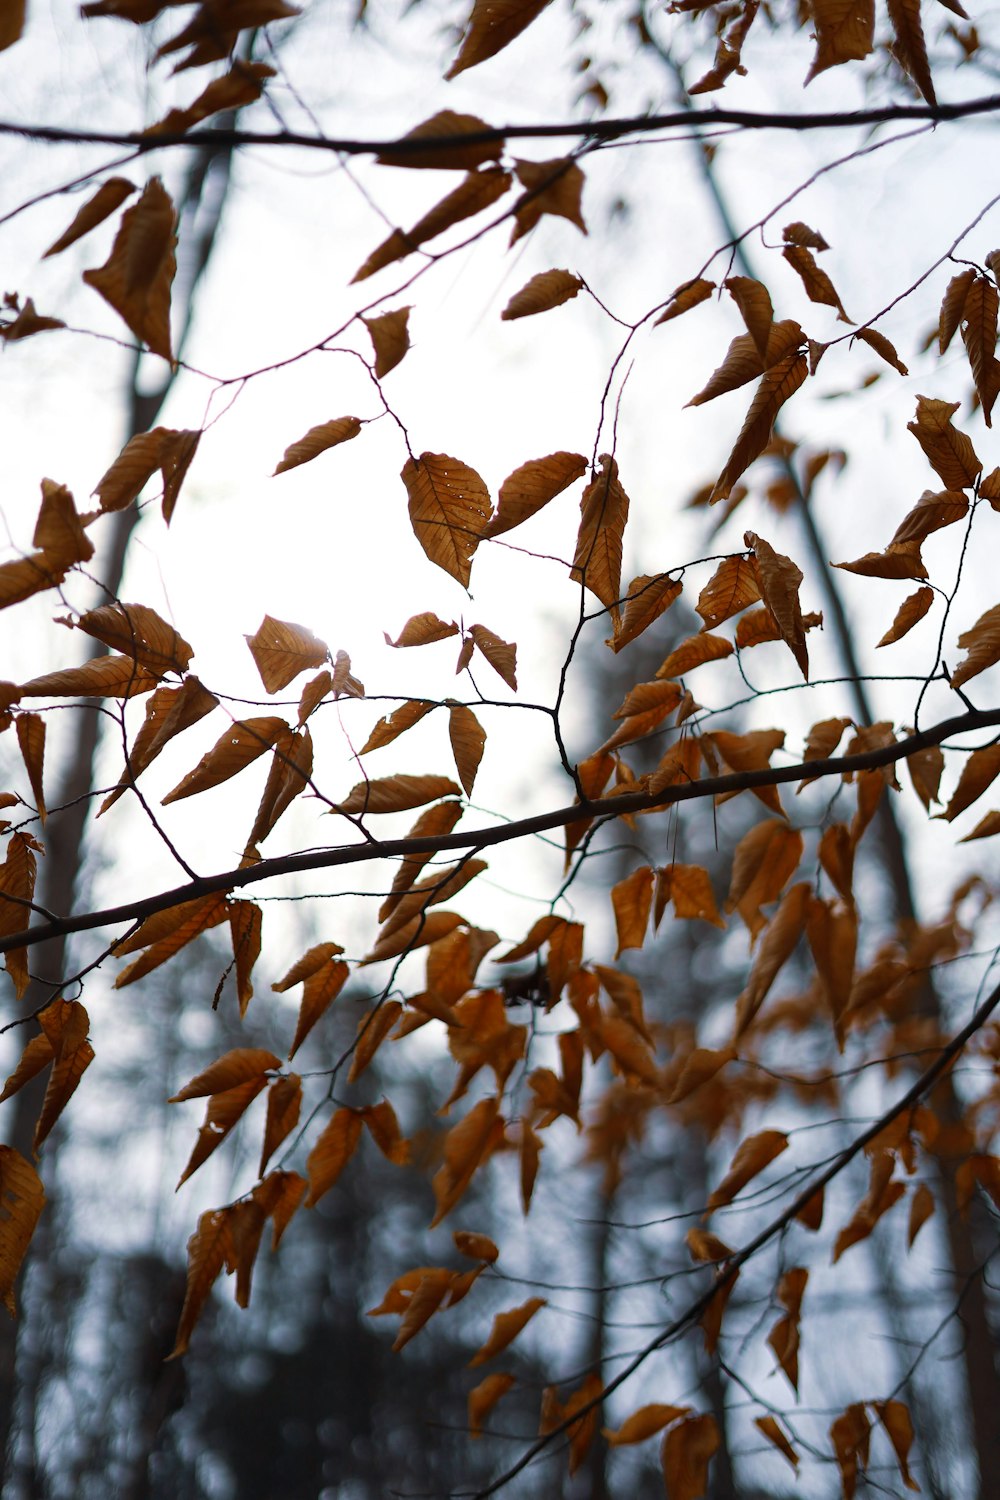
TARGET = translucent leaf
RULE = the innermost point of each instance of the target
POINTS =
(30, 730)
(882, 347)
(137, 277)
(982, 647)
(389, 333)
(163, 448)
(228, 1072)
(466, 1145)
(755, 1153)
(911, 49)
(844, 32)
(543, 292)
(687, 1451)
(422, 630)
(818, 286)
(234, 750)
(137, 631)
(763, 861)
(331, 1153)
(483, 1398)
(912, 609)
(241, 86)
(597, 561)
(373, 1029)
(320, 988)
(391, 727)
(468, 741)
(882, 1194)
(506, 1328)
(37, 1055)
(446, 124)
(551, 187)
(17, 885)
(208, 1249)
(23, 1199)
(493, 25)
(949, 451)
(477, 192)
(103, 677)
(784, 1336)
(895, 1418)
(644, 1423)
(771, 1429)
(631, 899)
(921, 1208)
(779, 943)
(424, 1302)
(501, 655)
(688, 295)
(284, 1104)
(953, 306)
(532, 486)
(690, 890)
(109, 196)
(224, 1112)
(732, 587)
(281, 651)
(778, 579)
(317, 440)
(779, 383)
(979, 772)
(383, 1127)
(754, 302)
(648, 597)
(396, 794)
(29, 320)
(449, 508)
(694, 652)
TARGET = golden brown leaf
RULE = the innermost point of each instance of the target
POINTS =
(844, 31)
(895, 1418)
(882, 347)
(818, 286)
(446, 124)
(468, 741)
(492, 26)
(699, 1067)
(647, 598)
(331, 1153)
(850, 1435)
(235, 749)
(780, 940)
(466, 1145)
(287, 777)
(138, 632)
(953, 306)
(743, 361)
(912, 609)
(419, 932)
(208, 1249)
(423, 630)
(30, 730)
(833, 938)
(284, 1103)
(731, 588)
(543, 292)
(224, 1112)
(754, 302)
(644, 1423)
(986, 828)
(282, 650)
(689, 294)
(690, 890)
(373, 1029)
(12, 17)
(242, 85)
(449, 510)
(551, 187)
(317, 440)
(23, 1199)
(483, 1398)
(784, 1336)
(763, 861)
(29, 320)
(17, 886)
(501, 655)
(979, 772)
(922, 1206)
(530, 487)
(320, 988)
(687, 1451)
(948, 451)
(37, 1055)
(383, 1127)
(163, 448)
(752, 1156)
(59, 528)
(137, 277)
(390, 336)
(475, 1246)
(631, 899)
(882, 1193)
(109, 196)
(478, 191)
(506, 1327)
(395, 794)
(391, 726)
(694, 652)
(982, 647)
(911, 49)
(771, 1429)
(229, 1071)
(779, 383)
(103, 677)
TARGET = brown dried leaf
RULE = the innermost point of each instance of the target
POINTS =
(524, 493)
(483, 1398)
(688, 295)
(953, 306)
(138, 632)
(687, 1451)
(209, 1248)
(319, 990)
(317, 440)
(844, 31)
(137, 277)
(282, 650)
(331, 1153)
(948, 451)
(778, 579)
(543, 292)
(235, 749)
(373, 1029)
(982, 647)
(395, 794)
(551, 187)
(506, 1327)
(391, 726)
(979, 772)
(492, 26)
(30, 730)
(911, 49)
(631, 899)
(446, 124)
(390, 336)
(752, 1156)
(449, 510)
(103, 677)
(422, 630)
(912, 610)
(780, 382)
(109, 196)
(229, 1071)
(882, 347)
(23, 1199)
(732, 587)
(468, 741)
(772, 1431)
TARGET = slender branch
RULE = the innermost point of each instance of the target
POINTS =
(504, 833)
(730, 1268)
(591, 130)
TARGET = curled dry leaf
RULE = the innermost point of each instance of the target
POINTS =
(543, 292)
(551, 187)
(137, 277)
(396, 794)
(282, 650)
(422, 630)
(483, 1398)
(525, 492)
(688, 295)
(477, 192)
(317, 440)
(597, 562)
(235, 749)
(389, 333)
(468, 741)
(506, 1327)
(501, 655)
(109, 196)
(912, 610)
(493, 25)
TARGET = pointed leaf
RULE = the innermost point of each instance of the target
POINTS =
(449, 509)
(284, 1104)
(234, 750)
(533, 485)
(647, 598)
(396, 794)
(687, 1452)
(778, 579)
(543, 292)
(229, 1071)
(468, 741)
(137, 277)
(755, 1153)
(506, 1327)
(390, 336)
(22, 1199)
(779, 383)
(982, 645)
(551, 187)
(281, 651)
(208, 1249)
(109, 196)
(493, 25)
(331, 1153)
(912, 610)
(317, 440)
(501, 655)
(483, 1398)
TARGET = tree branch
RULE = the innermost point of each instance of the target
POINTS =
(504, 833)
(591, 130)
